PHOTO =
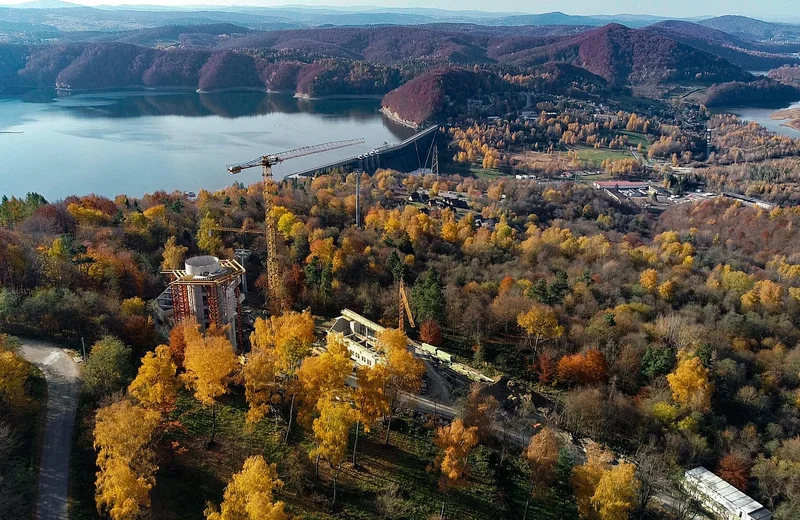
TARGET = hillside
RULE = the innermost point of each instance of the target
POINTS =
(620, 55)
(630, 56)
(170, 34)
(764, 92)
(115, 65)
(753, 29)
(374, 44)
(746, 54)
(786, 74)
(439, 93)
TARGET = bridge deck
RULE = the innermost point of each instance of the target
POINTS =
(355, 159)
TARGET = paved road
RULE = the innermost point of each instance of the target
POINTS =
(62, 376)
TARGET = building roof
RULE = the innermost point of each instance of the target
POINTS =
(725, 494)
(621, 184)
(354, 316)
(228, 270)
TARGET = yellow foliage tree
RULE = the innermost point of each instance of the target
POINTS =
(405, 371)
(540, 324)
(649, 280)
(331, 433)
(207, 239)
(667, 290)
(615, 495)
(174, 255)
(285, 224)
(542, 457)
(370, 399)
(456, 443)
(586, 477)
(690, 383)
(290, 335)
(323, 375)
(14, 373)
(260, 383)
(287, 340)
(156, 386)
(122, 435)
(250, 494)
(133, 306)
(210, 364)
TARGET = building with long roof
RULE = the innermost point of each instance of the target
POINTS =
(721, 498)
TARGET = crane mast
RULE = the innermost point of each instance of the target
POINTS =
(270, 188)
(405, 308)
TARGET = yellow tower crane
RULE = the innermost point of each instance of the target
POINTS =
(405, 308)
(266, 162)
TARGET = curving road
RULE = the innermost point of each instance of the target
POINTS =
(62, 375)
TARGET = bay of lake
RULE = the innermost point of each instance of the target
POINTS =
(136, 141)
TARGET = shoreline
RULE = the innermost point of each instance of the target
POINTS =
(308, 97)
(399, 120)
(790, 117)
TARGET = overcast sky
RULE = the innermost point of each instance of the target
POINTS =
(764, 9)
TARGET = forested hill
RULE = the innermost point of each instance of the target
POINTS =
(631, 56)
(113, 65)
(439, 93)
(749, 55)
(353, 60)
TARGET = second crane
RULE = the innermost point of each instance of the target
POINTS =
(267, 162)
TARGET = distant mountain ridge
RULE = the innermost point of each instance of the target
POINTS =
(748, 54)
(753, 29)
(46, 4)
(128, 17)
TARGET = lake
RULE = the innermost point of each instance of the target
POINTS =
(137, 142)
(762, 117)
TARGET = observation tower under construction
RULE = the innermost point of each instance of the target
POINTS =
(208, 292)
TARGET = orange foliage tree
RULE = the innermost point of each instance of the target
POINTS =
(585, 368)
(735, 469)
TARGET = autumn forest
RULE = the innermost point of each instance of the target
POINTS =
(638, 344)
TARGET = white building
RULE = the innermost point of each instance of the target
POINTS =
(722, 499)
(360, 334)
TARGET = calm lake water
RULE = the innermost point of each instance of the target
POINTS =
(762, 117)
(135, 142)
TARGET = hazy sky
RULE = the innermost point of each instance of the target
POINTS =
(764, 9)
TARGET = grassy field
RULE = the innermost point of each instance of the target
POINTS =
(636, 138)
(471, 170)
(193, 475)
(595, 156)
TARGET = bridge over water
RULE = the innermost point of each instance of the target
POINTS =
(408, 155)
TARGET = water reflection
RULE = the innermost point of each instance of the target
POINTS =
(138, 103)
(138, 141)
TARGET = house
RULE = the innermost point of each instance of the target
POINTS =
(720, 498)
(488, 223)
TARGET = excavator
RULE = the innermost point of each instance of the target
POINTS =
(267, 162)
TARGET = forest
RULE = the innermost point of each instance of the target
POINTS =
(766, 92)
(658, 343)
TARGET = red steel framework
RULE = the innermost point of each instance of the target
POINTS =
(182, 281)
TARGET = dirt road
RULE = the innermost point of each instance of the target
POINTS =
(62, 375)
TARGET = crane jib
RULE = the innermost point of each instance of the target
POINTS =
(268, 160)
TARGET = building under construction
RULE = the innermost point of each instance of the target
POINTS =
(207, 292)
